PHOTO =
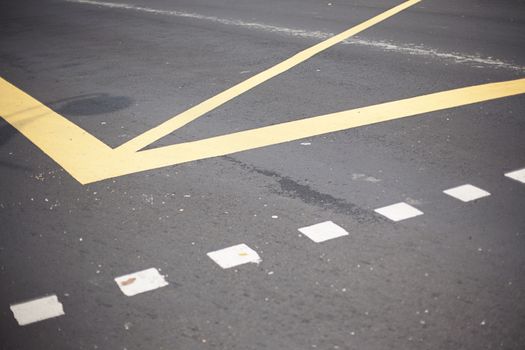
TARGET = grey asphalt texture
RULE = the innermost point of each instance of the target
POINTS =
(453, 278)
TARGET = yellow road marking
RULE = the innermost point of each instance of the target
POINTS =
(295, 130)
(69, 145)
(197, 111)
(88, 159)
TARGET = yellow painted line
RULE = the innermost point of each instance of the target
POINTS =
(88, 159)
(73, 148)
(295, 130)
(195, 112)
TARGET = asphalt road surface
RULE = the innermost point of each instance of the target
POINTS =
(451, 278)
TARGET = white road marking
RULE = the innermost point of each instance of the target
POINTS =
(518, 175)
(234, 256)
(416, 50)
(363, 177)
(399, 211)
(37, 310)
(323, 231)
(467, 193)
(140, 282)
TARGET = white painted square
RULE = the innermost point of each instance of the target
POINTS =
(234, 256)
(466, 193)
(518, 175)
(140, 282)
(37, 310)
(323, 231)
(399, 211)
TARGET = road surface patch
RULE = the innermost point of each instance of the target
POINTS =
(323, 231)
(466, 193)
(518, 175)
(399, 211)
(234, 256)
(37, 310)
(140, 282)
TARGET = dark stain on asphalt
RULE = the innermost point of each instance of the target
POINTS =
(93, 104)
(290, 188)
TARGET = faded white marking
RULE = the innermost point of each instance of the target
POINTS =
(234, 256)
(476, 61)
(323, 231)
(518, 175)
(399, 211)
(466, 193)
(363, 177)
(417, 50)
(372, 179)
(37, 310)
(140, 282)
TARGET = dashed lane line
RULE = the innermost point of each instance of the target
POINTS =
(467, 193)
(140, 282)
(323, 231)
(234, 256)
(150, 279)
(518, 175)
(37, 310)
(399, 211)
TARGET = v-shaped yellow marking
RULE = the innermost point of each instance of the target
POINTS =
(88, 159)
(202, 108)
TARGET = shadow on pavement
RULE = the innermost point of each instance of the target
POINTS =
(6, 133)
